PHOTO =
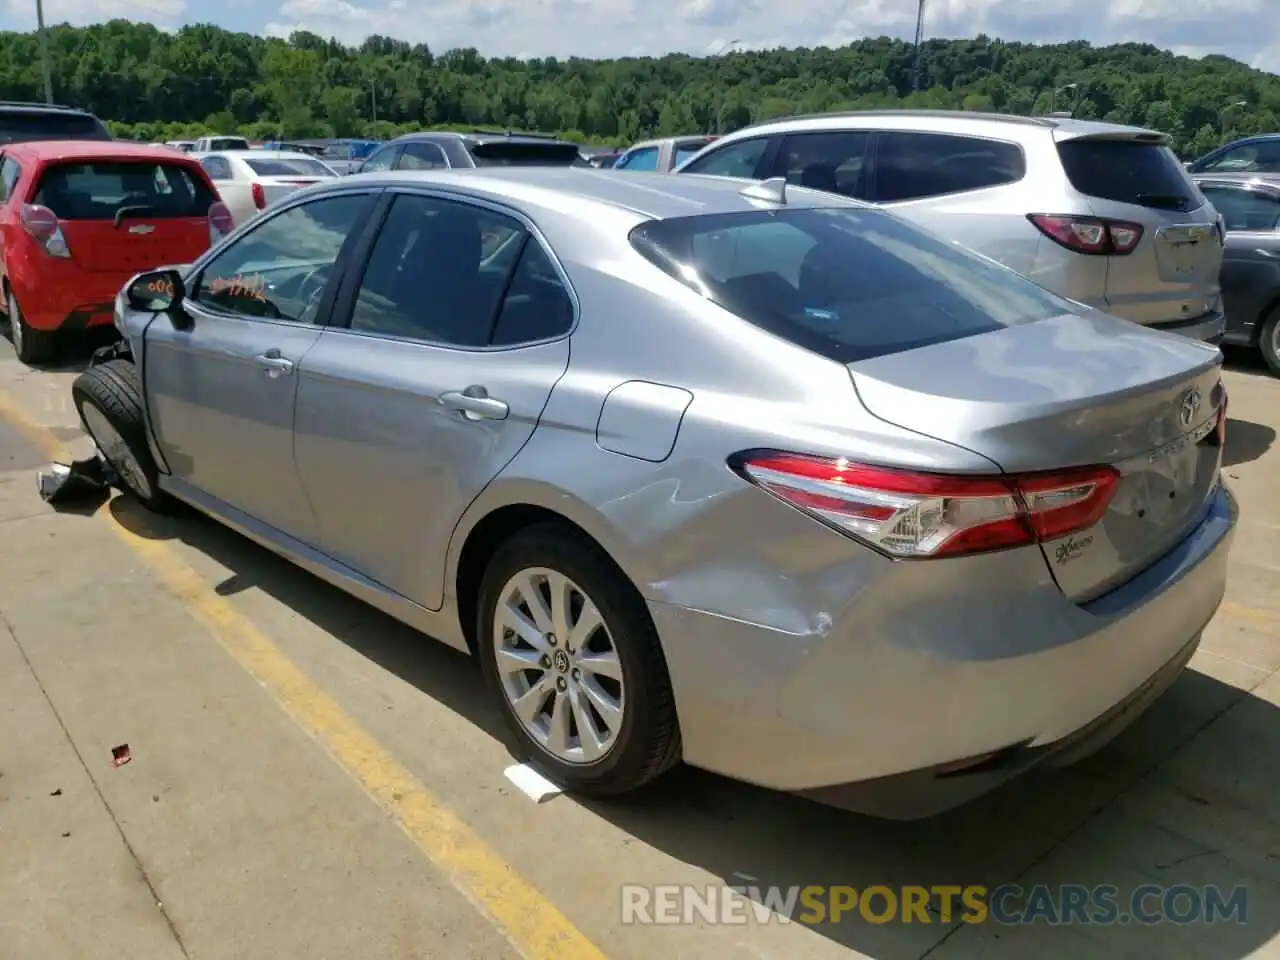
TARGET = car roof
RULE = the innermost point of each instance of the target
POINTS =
(480, 136)
(584, 192)
(687, 138)
(23, 106)
(1061, 127)
(86, 149)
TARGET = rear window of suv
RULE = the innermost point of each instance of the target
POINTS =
(847, 284)
(500, 153)
(1128, 171)
(98, 190)
(19, 126)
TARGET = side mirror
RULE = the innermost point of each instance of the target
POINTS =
(157, 292)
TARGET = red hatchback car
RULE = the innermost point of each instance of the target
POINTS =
(79, 218)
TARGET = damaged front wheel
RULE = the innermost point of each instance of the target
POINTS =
(108, 398)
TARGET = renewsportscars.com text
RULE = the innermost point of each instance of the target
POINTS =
(1009, 904)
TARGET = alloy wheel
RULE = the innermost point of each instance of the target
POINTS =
(558, 666)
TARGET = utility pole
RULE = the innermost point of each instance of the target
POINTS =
(917, 68)
(45, 67)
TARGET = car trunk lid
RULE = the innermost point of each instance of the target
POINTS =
(123, 215)
(1074, 390)
(1132, 176)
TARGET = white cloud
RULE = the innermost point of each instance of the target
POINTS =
(596, 28)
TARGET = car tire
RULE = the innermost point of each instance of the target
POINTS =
(644, 739)
(31, 346)
(108, 398)
(1269, 341)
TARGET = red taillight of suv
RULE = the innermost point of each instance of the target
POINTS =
(259, 196)
(922, 515)
(1091, 235)
(41, 224)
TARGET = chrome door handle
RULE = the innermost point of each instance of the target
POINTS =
(474, 403)
(274, 364)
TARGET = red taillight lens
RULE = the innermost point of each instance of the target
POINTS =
(42, 224)
(220, 220)
(1089, 234)
(923, 515)
(259, 196)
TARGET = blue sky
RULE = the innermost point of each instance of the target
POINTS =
(1248, 30)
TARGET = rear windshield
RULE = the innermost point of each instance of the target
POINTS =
(848, 284)
(289, 167)
(19, 127)
(499, 153)
(99, 190)
(1128, 171)
(228, 143)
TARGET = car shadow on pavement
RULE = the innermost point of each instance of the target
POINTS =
(1246, 441)
(1188, 795)
(1246, 360)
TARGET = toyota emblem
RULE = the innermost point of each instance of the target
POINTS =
(1190, 407)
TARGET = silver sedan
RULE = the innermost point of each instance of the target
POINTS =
(753, 477)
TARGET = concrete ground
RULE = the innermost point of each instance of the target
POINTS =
(309, 779)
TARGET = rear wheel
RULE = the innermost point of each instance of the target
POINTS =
(569, 651)
(108, 398)
(1269, 341)
(32, 346)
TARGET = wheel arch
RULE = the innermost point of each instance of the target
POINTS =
(498, 515)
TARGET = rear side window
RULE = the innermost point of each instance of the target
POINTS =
(826, 161)
(289, 167)
(1262, 157)
(845, 283)
(911, 166)
(99, 189)
(1128, 171)
(18, 127)
(734, 160)
(1244, 209)
(644, 159)
(686, 150)
(502, 154)
(9, 174)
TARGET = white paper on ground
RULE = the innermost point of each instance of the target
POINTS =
(531, 783)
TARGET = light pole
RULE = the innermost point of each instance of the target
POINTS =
(1222, 115)
(1053, 99)
(720, 51)
(45, 67)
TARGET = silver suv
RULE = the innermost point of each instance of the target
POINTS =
(1100, 213)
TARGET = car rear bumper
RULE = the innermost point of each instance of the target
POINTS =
(913, 699)
(1209, 327)
(58, 303)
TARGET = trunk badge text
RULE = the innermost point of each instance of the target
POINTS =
(141, 228)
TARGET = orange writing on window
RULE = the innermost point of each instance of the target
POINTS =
(240, 287)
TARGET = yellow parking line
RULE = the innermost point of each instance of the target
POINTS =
(530, 922)
(1233, 609)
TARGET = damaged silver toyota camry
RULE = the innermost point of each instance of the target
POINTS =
(742, 475)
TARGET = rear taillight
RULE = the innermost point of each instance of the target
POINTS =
(1089, 234)
(1221, 430)
(922, 515)
(221, 222)
(259, 196)
(42, 224)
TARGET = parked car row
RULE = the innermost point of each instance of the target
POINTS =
(742, 474)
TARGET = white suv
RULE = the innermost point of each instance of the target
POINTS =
(1099, 213)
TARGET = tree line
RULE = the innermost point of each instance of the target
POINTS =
(152, 85)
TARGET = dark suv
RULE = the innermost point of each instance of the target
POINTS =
(21, 122)
(434, 150)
